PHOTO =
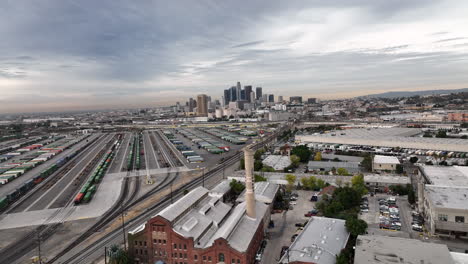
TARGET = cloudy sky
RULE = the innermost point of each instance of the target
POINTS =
(80, 54)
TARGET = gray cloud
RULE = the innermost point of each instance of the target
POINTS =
(158, 51)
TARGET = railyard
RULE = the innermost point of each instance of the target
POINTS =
(98, 174)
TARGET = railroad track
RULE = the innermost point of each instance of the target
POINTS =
(54, 177)
(169, 156)
(165, 201)
(161, 159)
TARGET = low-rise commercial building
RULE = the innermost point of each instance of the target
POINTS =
(371, 249)
(385, 163)
(319, 243)
(351, 167)
(443, 199)
(381, 183)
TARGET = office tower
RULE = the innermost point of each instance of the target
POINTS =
(227, 96)
(264, 98)
(258, 93)
(191, 104)
(202, 105)
(243, 95)
(271, 98)
(295, 99)
(248, 91)
(312, 100)
(238, 91)
(252, 97)
(280, 98)
(233, 94)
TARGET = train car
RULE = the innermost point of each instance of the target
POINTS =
(79, 197)
(13, 196)
(3, 202)
(38, 179)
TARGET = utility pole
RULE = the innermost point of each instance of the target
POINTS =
(171, 193)
(203, 183)
(123, 228)
(105, 255)
(39, 244)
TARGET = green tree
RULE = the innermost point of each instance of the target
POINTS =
(366, 163)
(259, 178)
(413, 159)
(237, 187)
(411, 196)
(290, 178)
(321, 184)
(295, 160)
(303, 152)
(399, 169)
(342, 171)
(258, 165)
(357, 182)
(118, 255)
(267, 169)
(441, 134)
(258, 154)
(355, 226)
(318, 156)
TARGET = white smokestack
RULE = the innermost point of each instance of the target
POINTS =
(249, 189)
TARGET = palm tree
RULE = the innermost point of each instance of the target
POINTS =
(118, 255)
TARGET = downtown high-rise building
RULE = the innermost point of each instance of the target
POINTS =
(258, 93)
(271, 98)
(191, 104)
(233, 94)
(227, 96)
(248, 92)
(202, 105)
(238, 91)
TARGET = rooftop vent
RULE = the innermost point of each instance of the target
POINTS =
(190, 224)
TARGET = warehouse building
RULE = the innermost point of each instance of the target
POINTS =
(351, 167)
(385, 163)
(371, 249)
(381, 183)
(277, 162)
(443, 199)
(200, 228)
(319, 243)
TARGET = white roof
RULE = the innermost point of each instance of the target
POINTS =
(264, 192)
(320, 241)
(371, 178)
(459, 258)
(448, 197)
(386, 159)
(446, 175)
(277, 162)
(221, 189)
(390, 250)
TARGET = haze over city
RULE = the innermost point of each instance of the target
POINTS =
(77, 55)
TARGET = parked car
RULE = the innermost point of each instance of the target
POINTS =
(312, 212)
(292, 202)
(293, 237)
(416, 227)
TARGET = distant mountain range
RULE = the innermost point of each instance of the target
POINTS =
(413, 93)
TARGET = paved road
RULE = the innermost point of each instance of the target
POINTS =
(11, 186)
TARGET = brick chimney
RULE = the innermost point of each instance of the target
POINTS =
(249, 189)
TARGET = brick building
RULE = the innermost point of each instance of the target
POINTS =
(458, 117)
(200, 228)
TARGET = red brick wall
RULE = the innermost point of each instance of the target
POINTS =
(159, 242)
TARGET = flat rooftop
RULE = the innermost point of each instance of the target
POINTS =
(389, 179)
(320, 241)
(448, 197)
(446, 175)
(391, 250)
(277, 162)
(386, 137)
(386, 159)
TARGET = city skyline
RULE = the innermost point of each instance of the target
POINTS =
(76, 56)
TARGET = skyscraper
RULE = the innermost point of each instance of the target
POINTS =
(191, 104)
(271, 98)
(258, 93)
(295, 99)
(202, 105)
(238, 90)
(280, 98)
(248, 91)
(243, 95)
(227, 96)
(233, 94)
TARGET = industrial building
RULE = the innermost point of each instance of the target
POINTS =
(371, 249)
(351, 167)
(403, 138)
(381, 183)
(385, 163)
(319, 243)
(443, 199)
(200, 228)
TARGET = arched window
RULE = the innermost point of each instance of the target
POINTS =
(221, 257)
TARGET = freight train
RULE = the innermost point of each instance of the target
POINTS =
(89, 188)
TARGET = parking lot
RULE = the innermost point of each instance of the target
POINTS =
(389, 215)
(285, 227)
